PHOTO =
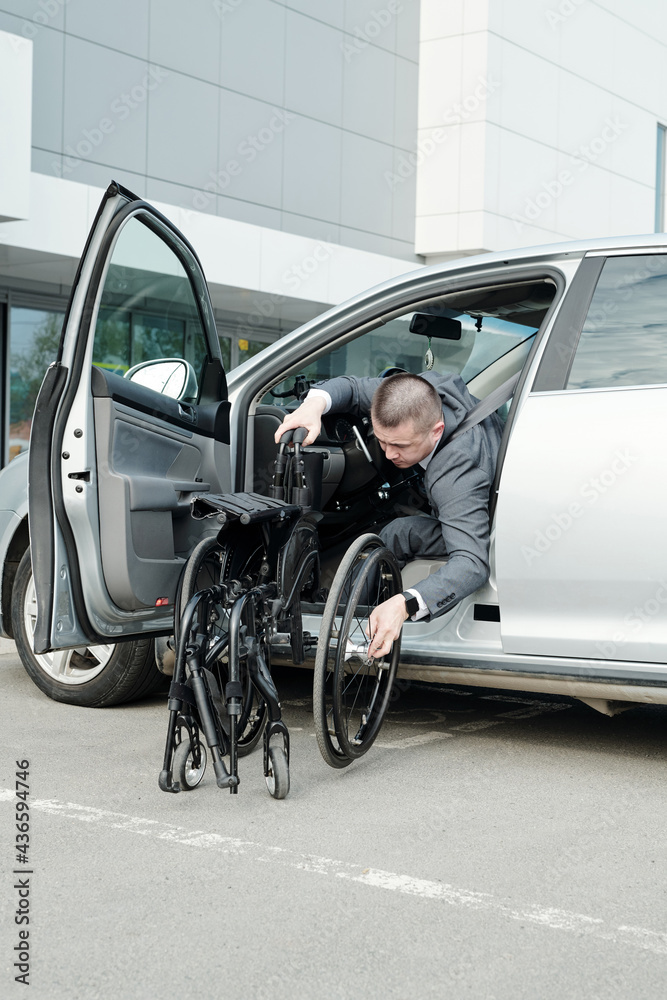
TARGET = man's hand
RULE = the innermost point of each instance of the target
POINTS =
(308, 415)
(385, 624)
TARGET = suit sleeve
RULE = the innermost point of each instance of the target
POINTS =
(460, 496)
(350, 394)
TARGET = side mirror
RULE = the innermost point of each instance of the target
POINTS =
(172, 377)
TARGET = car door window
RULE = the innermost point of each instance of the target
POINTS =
(147, 309)
(624, 338)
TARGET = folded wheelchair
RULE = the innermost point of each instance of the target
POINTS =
(240, 601)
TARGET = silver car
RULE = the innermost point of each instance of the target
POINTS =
(128, 428)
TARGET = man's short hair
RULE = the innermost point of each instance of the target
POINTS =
(406, 397)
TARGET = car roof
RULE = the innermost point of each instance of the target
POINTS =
(574, 248)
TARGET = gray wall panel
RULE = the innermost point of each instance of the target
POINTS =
(249, 211)
(403, 186)
(185, 88)
(361, 240)
(47, 89)
(368, 92)
(190, 198)
(105, 89)
(183, 131)
(101, 176)
(331, 11)
(251, 149)
(365, 192)
(313, 69)
(405, 104)
(33, 16)
(407, 30)
(314, 229)
(371, 22)
(186, 37)
(120, 24)
(311, 184)
(252, 54)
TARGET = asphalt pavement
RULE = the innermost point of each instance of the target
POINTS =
(490, 845)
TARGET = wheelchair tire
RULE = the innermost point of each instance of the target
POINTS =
(350, 694)
(277, 780)
(183, 768)
(208, 565)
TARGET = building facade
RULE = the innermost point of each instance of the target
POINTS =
(312, 148)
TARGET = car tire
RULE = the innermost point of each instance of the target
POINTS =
(89, 676)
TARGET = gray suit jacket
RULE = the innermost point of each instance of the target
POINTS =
(457, 481)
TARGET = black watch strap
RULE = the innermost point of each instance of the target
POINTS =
(411, 603)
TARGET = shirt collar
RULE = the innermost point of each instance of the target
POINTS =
(424, 462)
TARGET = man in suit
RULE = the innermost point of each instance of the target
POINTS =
(412, 417)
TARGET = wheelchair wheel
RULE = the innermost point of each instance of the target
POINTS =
(351, 693)
(277, 780)
(184, 769)
(208, 565)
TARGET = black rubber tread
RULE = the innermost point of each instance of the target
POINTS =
(324, 668)
(130, 674)
(179, 765)
(361, 695)
(278, 779)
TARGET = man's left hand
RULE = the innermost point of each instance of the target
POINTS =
(385, 624)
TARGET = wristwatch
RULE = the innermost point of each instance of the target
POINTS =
(411, 603)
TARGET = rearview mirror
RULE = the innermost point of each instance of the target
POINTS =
(172, 377)
(441, 327)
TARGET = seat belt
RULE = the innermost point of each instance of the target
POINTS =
(484, 408)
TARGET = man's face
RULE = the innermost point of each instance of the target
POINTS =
(404, 445)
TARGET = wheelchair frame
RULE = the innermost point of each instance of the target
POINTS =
(260, 605)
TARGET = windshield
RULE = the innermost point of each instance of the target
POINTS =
(492, 321)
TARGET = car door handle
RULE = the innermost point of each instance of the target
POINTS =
(187, 412)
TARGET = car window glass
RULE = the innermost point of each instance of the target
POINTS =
(393, 345)
(148, 308)
(624, 338)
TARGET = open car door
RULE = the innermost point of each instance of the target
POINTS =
(131, 420)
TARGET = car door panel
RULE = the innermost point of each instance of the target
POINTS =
(124, 459)
(580, 550)
(142, 502)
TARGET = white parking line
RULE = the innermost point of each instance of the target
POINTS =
(548, 917)
(413, 741)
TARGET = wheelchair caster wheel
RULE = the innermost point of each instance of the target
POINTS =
(184, 769)
(277, 780)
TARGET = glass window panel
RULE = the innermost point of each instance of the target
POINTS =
(226, 352)
(111, 349)
(249, 348)
(34, 339)
(156, 337)
(393, 345)
(624, 338)
(148, 309)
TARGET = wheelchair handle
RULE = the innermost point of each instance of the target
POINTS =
(296, 436)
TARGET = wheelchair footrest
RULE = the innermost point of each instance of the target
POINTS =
(248, 508)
